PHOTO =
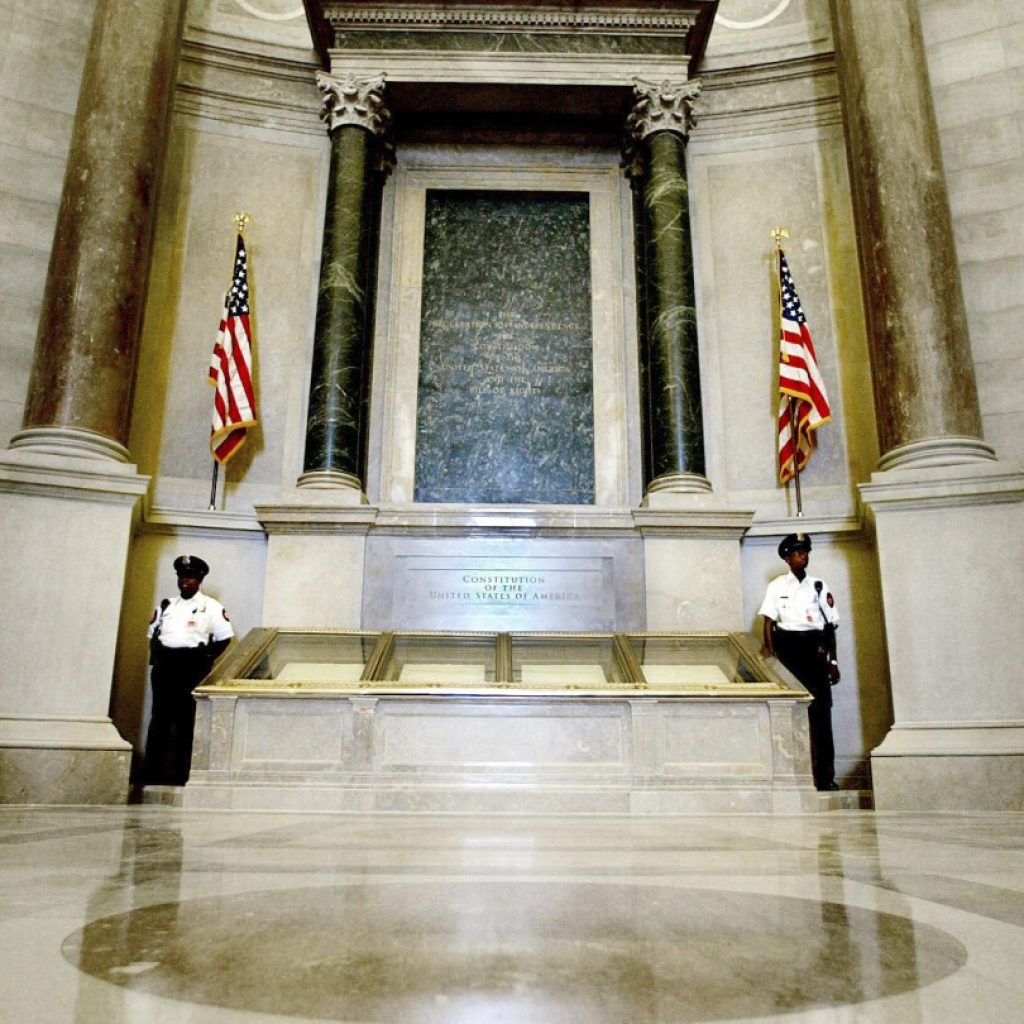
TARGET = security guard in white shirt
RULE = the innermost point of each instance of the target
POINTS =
(186, 636)
(800, 621)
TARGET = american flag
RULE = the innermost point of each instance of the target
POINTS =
(799, 380)
(231, 370)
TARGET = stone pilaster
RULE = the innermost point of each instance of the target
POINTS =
(657, 131)
(79, 397)
(358, 122)
(925, 394)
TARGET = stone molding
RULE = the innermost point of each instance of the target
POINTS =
(507, 18)
(260, 90)
(502, 521)
(937, 451)
(332, 480)
(752, 104)
(75, 442)
(158, 519)
(70, 732)
(718, 524)
(680, 483)
(770, 530)
(587, 69)
(72, 479)
(307, 519)
(952, 739)
(966, 484)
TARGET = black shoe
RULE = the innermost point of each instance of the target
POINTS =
(829, 787)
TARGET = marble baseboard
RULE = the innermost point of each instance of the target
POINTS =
(39, 775)
(491, 799)
(948, 782)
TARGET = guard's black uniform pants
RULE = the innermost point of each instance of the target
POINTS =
(176, 673)
(801, 653)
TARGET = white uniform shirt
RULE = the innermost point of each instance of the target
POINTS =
(189, 623)
(797, 606)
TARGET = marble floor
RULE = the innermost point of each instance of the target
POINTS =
(157, 914)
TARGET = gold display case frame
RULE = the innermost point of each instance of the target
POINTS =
(238, 673)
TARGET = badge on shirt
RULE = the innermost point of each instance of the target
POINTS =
(831, 600)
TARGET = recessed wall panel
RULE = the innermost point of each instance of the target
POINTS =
(505, 391)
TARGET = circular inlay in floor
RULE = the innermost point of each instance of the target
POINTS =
(461, 952)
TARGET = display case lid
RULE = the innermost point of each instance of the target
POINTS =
(310, 663)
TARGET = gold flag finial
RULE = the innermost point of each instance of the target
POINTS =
(779, 234)
(241, 219)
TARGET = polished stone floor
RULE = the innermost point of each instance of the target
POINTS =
(156, 914)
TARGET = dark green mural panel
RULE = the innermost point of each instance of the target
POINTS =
(506, 410)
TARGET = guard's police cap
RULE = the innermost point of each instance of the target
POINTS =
(191, 565)
(794, 542)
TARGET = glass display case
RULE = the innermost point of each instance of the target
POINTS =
(459, 721)
(338, 661)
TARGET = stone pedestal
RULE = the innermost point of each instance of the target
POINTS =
(65, 524)
(951, 592)
(315, 558)
(692, 572)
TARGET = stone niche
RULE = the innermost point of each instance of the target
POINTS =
(504, 423)
(531, 722)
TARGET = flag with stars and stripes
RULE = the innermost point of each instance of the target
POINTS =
(800, 382)
(231, 368)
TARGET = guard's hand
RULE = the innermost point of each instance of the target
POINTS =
(833, 673)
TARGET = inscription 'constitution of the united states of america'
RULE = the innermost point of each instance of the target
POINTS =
(505, 401)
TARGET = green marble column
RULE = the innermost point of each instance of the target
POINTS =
(670, 369)
(336, 420)
(79, 397)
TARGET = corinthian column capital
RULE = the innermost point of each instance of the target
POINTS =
(354, 100)
(664, 106)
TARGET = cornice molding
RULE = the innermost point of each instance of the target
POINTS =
(269, 91)
(507, 18)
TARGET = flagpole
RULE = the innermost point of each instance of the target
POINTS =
(796, 458)
(213, 488)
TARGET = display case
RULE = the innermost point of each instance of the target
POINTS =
(491, 721)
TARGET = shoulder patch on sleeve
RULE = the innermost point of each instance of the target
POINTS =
(224, 612)
(152, 620)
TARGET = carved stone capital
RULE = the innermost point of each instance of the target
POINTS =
(662, 106)
(353, 100)
(358, 101)
(659, 106)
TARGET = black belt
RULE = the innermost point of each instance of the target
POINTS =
(180, 655)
